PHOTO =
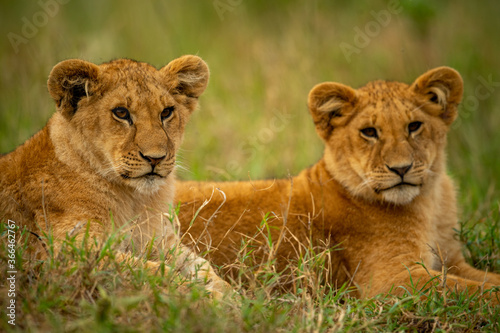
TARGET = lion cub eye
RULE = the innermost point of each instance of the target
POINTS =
(167, 112)
(122, 113)
(370, 132)
(414, 126)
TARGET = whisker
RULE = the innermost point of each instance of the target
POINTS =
(364, 184)
(181, 167)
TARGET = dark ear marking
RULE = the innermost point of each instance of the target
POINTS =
(77, 92)
(70, 81)
(187, 75)
(434, 98)
(330, 105)
(183, 89)
(443, 87)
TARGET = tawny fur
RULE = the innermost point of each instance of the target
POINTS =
(380, 196)
(91, 162)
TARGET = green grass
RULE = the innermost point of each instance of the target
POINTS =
(253, 122)
(84, 289)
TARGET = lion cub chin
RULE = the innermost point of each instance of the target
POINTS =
(379, 204)
(109, 149)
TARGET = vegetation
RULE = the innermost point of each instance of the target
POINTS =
(264, 57)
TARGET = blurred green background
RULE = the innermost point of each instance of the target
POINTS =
(264, 58)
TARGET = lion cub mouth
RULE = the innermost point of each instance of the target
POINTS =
(150, 175)
(395, 186)
(148, 182)
(401, 193)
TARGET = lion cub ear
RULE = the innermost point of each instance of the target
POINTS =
(442, 86)
(187, 75)
(330, 105)
(70, 81)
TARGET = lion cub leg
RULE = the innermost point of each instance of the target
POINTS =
(419, 277)
(163, 229)
(462, 269)
(448, 247)
(192, 267)
(91, 236)
(195, 268)
(151, 266)
(452, 257)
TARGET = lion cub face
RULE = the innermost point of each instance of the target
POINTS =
(125, 118)
(383, 140)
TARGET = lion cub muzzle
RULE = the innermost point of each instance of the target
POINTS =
(153, 160)
(400, 170)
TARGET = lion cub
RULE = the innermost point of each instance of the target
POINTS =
(380, 196)
(109, 149)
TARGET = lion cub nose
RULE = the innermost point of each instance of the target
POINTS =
(400, 171)
(153, 160)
